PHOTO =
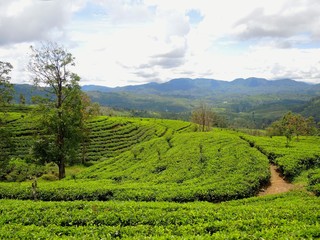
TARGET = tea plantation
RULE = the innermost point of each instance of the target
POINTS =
(160, 179)
(289, 216)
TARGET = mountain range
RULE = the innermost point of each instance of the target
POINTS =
(201, 87)
(237, 100)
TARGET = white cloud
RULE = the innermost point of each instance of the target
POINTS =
(26, 20)
(117, 42)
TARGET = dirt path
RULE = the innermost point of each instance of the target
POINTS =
(277, 184)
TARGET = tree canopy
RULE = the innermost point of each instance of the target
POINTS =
(6, 92)
(61, 115)
(291, 125)
(6, 88)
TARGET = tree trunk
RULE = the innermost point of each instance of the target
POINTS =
(60, 133)
(62, 169)
(61, 157)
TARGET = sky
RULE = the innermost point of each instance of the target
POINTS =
(129, 42)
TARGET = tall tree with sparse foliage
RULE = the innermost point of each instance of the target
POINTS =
(203, 116)
(60, 114)
(6, 88)
(6, 92)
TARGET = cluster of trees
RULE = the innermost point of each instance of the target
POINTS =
(61, 114)
(291, 125)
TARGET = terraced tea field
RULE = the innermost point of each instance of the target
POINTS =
(159, 179)
(186, 167)
(107, 136)
(302, 154)
(302, 157)
(289, 216)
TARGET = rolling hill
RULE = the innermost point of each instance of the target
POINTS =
(235, 100)
(159, 179)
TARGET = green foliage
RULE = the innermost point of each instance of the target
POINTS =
(106, 136)
(290, 216)
(225, 168)
(312, 108)
(314, 181)
(110, 136)
(61, 113)
(300, 156)
(6, 88)
(18, 132)
(18, 170)
(6, 146)
(292, 125)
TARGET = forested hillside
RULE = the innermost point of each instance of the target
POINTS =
(252, 102)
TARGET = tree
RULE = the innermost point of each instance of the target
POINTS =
(6, 89)
(207, 118)
(61, 112)
(22, 99)
(292, 125)
(204, 116)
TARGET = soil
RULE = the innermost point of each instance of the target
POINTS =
(277, 183)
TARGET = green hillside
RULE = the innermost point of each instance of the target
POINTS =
(236, 100)
(107, 136)
(158, 159)
(160, 179)
(110, 136)
(301, 155)
(184, 167)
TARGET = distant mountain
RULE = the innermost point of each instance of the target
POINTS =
(312, 108)
(27, 91)
(201, 87)
(237, 100)
(88, 88)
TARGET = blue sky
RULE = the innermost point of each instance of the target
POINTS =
(121, 42)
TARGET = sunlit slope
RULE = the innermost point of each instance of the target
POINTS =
(191, 166)
(19, 123)
(301, 154)
(300, 159)
(110, 136)
(107, 136)
(215, 166)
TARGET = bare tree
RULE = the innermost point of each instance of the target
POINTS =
(204, 116)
